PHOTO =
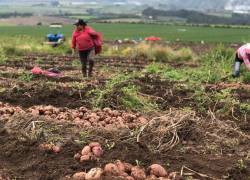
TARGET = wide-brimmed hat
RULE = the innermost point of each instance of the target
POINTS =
(80, 22)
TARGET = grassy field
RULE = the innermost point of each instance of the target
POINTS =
(136, 31)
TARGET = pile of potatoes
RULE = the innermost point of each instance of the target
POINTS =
(93, 151)
(125, 171)
(83, 117)
(6, 110)
(50, 148)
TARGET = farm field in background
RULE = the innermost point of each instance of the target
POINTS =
(136, 31)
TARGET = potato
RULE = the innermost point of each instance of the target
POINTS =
(129, 178)
(53, 116)
(120, 166)
(131, 126)
(128, 117)
(111, 169)
(94, 174)
(86, 150)
(102, 123)
(137, 173)
(79, 176)
(164, 178)
(120, 119)
(94, 144)
(108, 120)
(128, 167)
(77, 156)
(115, 113)
(46, 147)
(93, 120)
(97, 151)
(107, 110)
(85, 158)
(152, 177)
(56, 111)
(142, 120)
(34, 112)
(87, 124)
(77, 119)
(48, 108)
(109, 127)
(123, 174)
(56, 149)
(157, 170)
(47, 112)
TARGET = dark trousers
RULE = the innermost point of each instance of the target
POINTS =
(87, 61)
(237, 64)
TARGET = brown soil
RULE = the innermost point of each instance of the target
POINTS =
(21, 157)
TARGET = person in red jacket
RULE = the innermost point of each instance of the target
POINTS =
(82, 40)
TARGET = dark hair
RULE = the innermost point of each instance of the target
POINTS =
(80, 22)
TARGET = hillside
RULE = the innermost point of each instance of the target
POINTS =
(200, 5)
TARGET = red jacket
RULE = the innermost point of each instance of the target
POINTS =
(83, 40)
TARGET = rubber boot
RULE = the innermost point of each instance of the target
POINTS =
(91, 65)
(84, 70)
(236, 72)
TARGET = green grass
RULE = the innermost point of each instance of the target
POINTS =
(136, 31)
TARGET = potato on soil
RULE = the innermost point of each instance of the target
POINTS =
(97, 151)
(87, 124)
(107, 110)
(152, 177)
(157, 170)
(142, 120)
(94, 174)
(120, 166)
(86, 150)
(138, 173)
(111, 169)
(56, 149)
(77, 119)
(46, 147)
(85, 158)
(129, 178)
(34, 112)
(79, 176)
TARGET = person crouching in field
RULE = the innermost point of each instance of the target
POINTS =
(83, 40)
(242, 55)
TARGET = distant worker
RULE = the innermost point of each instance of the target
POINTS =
(83, 40)
(242, 55)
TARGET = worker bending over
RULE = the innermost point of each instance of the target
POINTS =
(242, 55)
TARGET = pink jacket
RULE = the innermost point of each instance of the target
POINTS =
(244, 53)
(83, 40)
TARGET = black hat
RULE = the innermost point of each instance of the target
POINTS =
(80, 22)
